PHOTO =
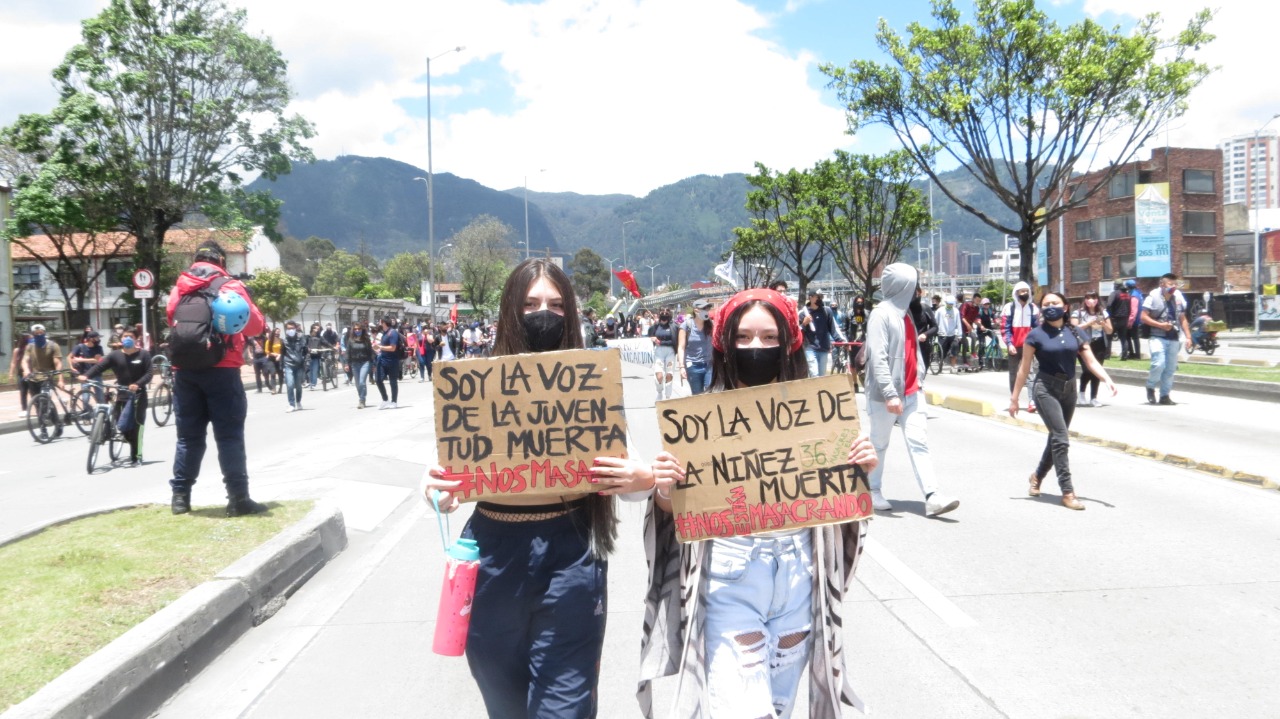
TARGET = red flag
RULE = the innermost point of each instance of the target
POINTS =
(453, 313)
(628, 281)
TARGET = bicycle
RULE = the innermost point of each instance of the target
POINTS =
(162, 399)
(43, 419)
(328, 374)
(991, 353)
(106, 430)
(839, 357)
(935, 356)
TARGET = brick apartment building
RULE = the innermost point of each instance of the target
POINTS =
(1099, 236)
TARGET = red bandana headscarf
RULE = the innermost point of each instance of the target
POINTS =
(784, 306)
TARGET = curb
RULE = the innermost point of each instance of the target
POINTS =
(1237, 388)
(983, 409)
(141, 669)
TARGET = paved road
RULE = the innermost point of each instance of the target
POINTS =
(1159, 600)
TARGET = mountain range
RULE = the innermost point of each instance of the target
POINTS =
(681, 229)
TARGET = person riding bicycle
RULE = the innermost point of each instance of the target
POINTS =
(969, 317)
(87, 354)
(131, 366)
(987, 325)
(1198, 331)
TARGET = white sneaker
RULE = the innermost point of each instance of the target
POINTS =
(384, 404)
(1082, 402)
(393, 405)
(287, 411)
(879, 502)
(939, 503)
(1095, 403)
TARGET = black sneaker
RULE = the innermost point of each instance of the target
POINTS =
(1166, 401)
(240, 506)
(181, 503)
(1151, 396)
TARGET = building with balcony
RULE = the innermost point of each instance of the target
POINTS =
(1250, 167)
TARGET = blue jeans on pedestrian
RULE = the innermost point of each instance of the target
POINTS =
(390, 373)
(914, 432)
(210, 396)
(540, 609)
(293, 385)
(313, 370)
(699, 376)
(1164, 362)
(424, 363)
(360, 375)
(817, 360)
(759, 626)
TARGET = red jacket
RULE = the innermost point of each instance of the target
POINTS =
(200, 274)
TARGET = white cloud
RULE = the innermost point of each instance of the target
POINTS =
(608, 95)
(1240, 95)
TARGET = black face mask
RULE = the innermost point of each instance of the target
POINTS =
(916, 305)
(543, 330)
(756, 366)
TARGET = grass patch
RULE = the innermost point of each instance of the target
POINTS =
(1257, 374)
(70, 590)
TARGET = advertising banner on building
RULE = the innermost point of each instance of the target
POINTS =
(1042, 254)
(1151, 229)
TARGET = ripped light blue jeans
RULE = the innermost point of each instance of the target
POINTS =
(759, 623)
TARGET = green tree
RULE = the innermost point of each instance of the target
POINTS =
(597, 302)
(484, 256)
(169, 102)
(59, 204)
(404, 273)
(589, 272)
(781, 224)
(867, 212)
(340, 274)
(277, 293)
(1016, 97)
(998, 291)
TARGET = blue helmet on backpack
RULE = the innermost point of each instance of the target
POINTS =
(230, 313)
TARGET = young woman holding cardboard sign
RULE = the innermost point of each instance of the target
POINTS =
(738, 618)
(540, 603)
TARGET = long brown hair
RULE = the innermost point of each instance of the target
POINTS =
(511, 338)
(602, 519)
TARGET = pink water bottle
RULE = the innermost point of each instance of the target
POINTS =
(456, 595)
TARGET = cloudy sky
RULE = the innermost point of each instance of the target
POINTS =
(600, 96)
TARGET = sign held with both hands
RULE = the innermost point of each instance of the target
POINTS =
(765, 458)
(529, 424)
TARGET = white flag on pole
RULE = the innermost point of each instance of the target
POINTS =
(727, 273)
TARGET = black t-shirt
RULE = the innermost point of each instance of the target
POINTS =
(83, 350)
(666, 334)
(128, 368)
(1056, 349)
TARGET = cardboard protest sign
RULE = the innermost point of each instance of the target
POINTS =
(765, 458)
(528, 424)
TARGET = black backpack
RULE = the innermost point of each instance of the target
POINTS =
(193, 342)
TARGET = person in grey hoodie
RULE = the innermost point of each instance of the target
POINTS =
(895, 373)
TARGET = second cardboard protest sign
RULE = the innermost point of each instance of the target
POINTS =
(528, 424)
(765, 458)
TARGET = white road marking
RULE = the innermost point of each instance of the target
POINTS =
(946, 610)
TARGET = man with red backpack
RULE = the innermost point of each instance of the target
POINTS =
(210, 313)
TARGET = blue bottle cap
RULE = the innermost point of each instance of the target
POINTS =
(464, 550)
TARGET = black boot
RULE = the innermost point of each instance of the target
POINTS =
(1151, 396)
(1167, 401)
(181, 503)
(240, 506)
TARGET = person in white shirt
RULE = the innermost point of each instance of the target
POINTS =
(950, 330)
(1165, 312)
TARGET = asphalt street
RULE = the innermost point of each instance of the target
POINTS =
(1162, 599)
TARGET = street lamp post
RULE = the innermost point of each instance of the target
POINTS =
(982, 266)
(610, 261)
(624, 243)
(526, 215)
(651, 269)
(1257, 229)
(435, 261)
(431, 205)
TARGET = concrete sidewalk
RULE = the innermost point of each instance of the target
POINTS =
(1208, 429)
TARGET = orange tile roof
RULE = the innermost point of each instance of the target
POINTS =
(121, 244)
